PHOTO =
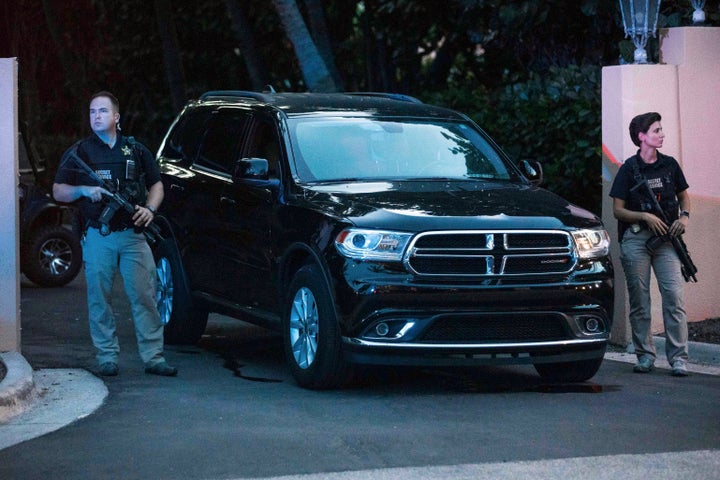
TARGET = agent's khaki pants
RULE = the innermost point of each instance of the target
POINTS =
(637, 262)
(129, 253)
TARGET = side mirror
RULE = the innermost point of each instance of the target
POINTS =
(533, 171)
(250, 169)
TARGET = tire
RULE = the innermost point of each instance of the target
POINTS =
(570, 372)
(52, 256)
(311, 337)
(184, 322)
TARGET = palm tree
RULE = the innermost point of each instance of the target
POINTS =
(314, 70)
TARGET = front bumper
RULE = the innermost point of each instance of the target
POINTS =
(472, 338)
(480, 354)
(408, 322)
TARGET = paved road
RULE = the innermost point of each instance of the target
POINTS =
(234, 412)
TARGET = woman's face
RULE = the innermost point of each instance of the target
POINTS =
(654, 136)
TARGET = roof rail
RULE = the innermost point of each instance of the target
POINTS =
(394, 96)
(265, 96)
(234, 93)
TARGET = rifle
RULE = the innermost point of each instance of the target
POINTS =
(687, 268)
(116, 201)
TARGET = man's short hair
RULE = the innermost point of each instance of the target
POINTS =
(113, 99)
(641, 124)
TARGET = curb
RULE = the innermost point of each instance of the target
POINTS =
(700, 353)
(17, 389)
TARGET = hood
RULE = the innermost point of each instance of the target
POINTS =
(439, 205)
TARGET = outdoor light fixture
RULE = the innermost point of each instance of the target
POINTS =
(699, 13)
(640, 20)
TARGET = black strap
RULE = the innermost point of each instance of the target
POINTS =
(635, 166)
(137, 155)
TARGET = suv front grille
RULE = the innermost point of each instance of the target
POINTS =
(491, 253)
(495, 328)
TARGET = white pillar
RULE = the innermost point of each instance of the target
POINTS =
(627, 91)
(695, 51)
(683, 89)
(9, 208)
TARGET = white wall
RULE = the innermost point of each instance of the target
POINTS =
(9, 259)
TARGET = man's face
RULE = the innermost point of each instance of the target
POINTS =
(103, 117)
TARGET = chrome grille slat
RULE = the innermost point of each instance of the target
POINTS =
(491, 253)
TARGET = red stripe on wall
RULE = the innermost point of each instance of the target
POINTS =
(610, 156)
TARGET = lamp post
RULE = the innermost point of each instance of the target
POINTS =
(640, 20)
(699, 13)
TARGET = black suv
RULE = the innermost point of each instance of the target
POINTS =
(371, 228)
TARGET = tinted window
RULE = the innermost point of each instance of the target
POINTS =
(328, 149)
(222, 140)
(184, 140)
(265, 144)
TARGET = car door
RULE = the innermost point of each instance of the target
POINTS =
(248, 209)
(210, 255)
(176, 157)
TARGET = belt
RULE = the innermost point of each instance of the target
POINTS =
(113, 228)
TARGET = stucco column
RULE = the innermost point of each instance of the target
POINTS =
(696, 53)
(627, 91)
(683, 89)
(9, 208)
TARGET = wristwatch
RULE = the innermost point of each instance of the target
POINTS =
(684, 213)
(152, 209)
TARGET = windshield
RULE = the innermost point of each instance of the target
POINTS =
(337, 149)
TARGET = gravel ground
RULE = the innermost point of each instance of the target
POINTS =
(707, 331)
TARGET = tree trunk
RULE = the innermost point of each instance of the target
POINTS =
(319, 32)
(253, 63)
(171, 53)
(314, 71)
(74, 69)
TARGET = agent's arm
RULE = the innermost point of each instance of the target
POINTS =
(62, 192)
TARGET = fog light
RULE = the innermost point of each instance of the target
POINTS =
(592, 325)
(382, 329)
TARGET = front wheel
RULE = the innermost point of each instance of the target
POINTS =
(184, 322)
(311, 336)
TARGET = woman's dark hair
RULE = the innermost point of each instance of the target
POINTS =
(641, 124)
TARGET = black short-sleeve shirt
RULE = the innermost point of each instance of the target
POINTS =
(126, 160)
(665, 177)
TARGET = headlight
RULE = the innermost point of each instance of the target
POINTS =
(372, 244)
(592, 243)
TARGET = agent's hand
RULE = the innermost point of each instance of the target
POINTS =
(655, 224)
(143, 216)
(678, 227)
(93, 193)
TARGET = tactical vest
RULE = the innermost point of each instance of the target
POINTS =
(134, 183)
(662, 183)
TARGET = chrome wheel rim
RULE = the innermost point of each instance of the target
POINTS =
(164, 290)
(304, 328)
(55, 256)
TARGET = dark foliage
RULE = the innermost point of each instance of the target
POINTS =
(516, 66)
